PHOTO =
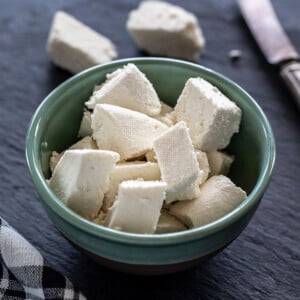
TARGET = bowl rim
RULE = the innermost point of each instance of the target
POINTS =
(50, 199)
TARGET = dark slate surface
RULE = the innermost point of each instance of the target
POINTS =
(264, 262)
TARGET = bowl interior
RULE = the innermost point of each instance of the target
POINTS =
(56, 122)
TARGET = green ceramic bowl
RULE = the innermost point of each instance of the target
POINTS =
(55, 124)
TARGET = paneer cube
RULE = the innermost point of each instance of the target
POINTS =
(74, 46)
(137, 207)
(218, 196)
(129, 88)
(219, 162)
(81, 178)
(125, 131)
(164, 29)
(129, 171)
(168, 223)
(211, 117)
(85, 143)
(178, 163)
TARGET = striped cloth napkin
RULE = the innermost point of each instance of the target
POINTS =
(26, 274)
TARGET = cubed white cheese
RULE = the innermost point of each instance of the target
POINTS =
(125, 131)
(81, 178)
(74, 46)
(178, 163)
(203, 165)
(137, 207)
(164, 29)
(211, 117)
(166, 115)
(218, 196)
(129, 171)
(168, 223)
(219, 162)
(129, 88)
(85, 143)
(85, 125)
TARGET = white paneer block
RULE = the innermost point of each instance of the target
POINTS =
(219, 162)
(137, 207)
(211, 117)
(85, 143)
(129, 88)
(125, 131)
(166, 115)
(178, 163)
(81, 178)
(129, 171)
(203, 165)
(85, 125)
(74, 46)
(168, 223)
(164, 29)
(218, 196)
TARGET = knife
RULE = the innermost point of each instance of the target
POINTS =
(273, 41)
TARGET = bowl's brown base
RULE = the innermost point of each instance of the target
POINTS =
(150, 270)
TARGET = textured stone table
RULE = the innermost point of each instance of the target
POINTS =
(264, 262)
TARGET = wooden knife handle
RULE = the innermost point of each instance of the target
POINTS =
(290, 72)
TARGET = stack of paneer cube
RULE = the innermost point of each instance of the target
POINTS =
(143, 167)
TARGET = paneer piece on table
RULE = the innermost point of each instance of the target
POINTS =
(75, 47)
(164, 29)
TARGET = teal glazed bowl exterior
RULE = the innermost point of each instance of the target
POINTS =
(55, 124)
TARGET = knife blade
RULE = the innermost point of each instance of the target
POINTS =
(273, 41)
